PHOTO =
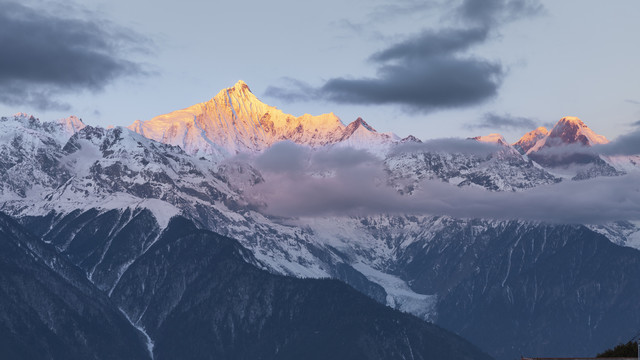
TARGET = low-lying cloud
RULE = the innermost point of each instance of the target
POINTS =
(345, 181)
(45, 54)
(448, 145)
(628, 144)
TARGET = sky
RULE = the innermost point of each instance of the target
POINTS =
(428, 68)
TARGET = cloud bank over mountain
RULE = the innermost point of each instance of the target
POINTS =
(300, 181)
(48, 52)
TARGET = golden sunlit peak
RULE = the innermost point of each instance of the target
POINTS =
(492, 138)
(241, 85)
(572, 120)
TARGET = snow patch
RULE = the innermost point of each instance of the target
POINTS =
(150, 343)
(399, 294)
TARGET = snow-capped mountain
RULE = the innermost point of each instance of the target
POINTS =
(530, 139)
(494, 138)
(567, 150)
(236, 121)
(502, 168)
(105, 197)
(569, 130)
(30, 151)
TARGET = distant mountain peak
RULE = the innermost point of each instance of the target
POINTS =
(361, 122)
(411, 138)
(569, 130)
(72, 124)
(529, 140)
(358, 123)
(571, 133)
(494, 138)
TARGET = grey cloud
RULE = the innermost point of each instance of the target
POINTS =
(426, 71)
(16, 94)
(494, 12)
(362, 190)
(45, 53)
(341, 157)
(335, 180)
(386, 12)
(283, 157)
(631, 101)
(628, 144)
(293, 90)
(560, 149)
(438, 82)
(402, 8)
(505, 121)
(636, 123)
(287, 157)
(349, 25)
(432, 43)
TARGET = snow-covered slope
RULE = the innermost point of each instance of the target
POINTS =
(236, 121)
(30, 151)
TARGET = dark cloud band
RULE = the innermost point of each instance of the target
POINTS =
(506, 121)
(429, 70)
(45, 54)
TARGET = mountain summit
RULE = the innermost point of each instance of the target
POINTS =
(566, 144)
(236, 121)
(568, 130)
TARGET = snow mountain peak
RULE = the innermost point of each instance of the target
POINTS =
(567, 131)
(72, 124)
(494, 138)
(530, 139)
(571, 120)
(236, 121)
(240, 91)
(571, 129)
(360, 122)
